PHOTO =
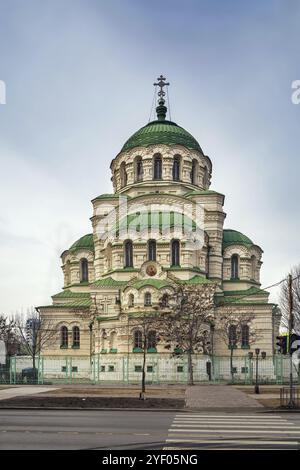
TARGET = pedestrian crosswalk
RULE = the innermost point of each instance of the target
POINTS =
(232, 431)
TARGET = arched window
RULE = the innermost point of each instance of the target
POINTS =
(123, 174)
(131, 300)
(64, 337)
(76, 337)
(84, 270)
(151, 250)
(137, 339)
(234, 267)
(112, 340)
(232, 335)
(175, 253)
(151, 340)
(165, 300)
(194, 172)
(245, 336)
(138, 169)
(157, 168)
(176, 168)
(253, 267)
(147, 299)
(68, 272)
(128, 254)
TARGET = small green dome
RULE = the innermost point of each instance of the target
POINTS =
(233, 237)
(161, 132)
(86, 242)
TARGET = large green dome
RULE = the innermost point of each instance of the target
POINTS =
(161, 132)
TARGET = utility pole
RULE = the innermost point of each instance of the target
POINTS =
(291, 403)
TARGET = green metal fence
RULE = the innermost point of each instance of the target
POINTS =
(160, 368)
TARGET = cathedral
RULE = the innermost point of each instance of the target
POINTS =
(161, 227)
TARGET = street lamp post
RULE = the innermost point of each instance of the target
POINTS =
(263, 356)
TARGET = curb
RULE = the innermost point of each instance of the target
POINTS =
(88, 409)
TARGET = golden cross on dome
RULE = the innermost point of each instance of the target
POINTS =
(161, 83)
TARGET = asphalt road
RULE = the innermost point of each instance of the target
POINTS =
(82, 429)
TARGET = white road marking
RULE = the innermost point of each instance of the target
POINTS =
(222, 425)
(249, 431)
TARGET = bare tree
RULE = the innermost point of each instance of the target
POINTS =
(35, 333)
(235, 329)
(285, 313)
(284, 302)
(147, 326)
(8, 334)
(187, 320)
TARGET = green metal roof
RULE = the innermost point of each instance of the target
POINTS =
(207, 192)
(161, 132)
(84, 303)
(195, 280)
(69, 294)
(86, 242)
(233, 237)
(154, 219)
(111, 196)
(108, 282)
(157, 283)
(251, 291)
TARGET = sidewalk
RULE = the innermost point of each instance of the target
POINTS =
(8, 393)
(218, 396)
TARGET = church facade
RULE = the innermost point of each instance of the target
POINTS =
(161, 227)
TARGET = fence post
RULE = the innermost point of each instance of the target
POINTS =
(279, 368)
(12, 370)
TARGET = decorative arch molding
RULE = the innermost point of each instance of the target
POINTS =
(239, 250)
(125, 161)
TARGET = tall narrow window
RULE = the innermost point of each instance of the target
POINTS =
(137, 339)
(234, 267)
(112, 340)
(194, 172)
(205, 178)
(147, 299)
(84, 270)
(76, 337)
(131, 300)
(123, 174)
(68, 273)
(109, 256)
(175, 253)
(165, 300)
(157, 168)
(245, 336)
(151, 250)
(138, 169)
(151, 340)
(232, 335)
(176, 168)
(253, 267)
(128, 255)
(64, 337)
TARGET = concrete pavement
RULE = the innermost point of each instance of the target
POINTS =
(218, 396)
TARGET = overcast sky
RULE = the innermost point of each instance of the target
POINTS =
(79, 77)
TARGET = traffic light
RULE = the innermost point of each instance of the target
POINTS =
(294, 343)
(282, 344)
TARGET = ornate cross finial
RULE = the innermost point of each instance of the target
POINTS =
(161, 83)
(161, 109)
